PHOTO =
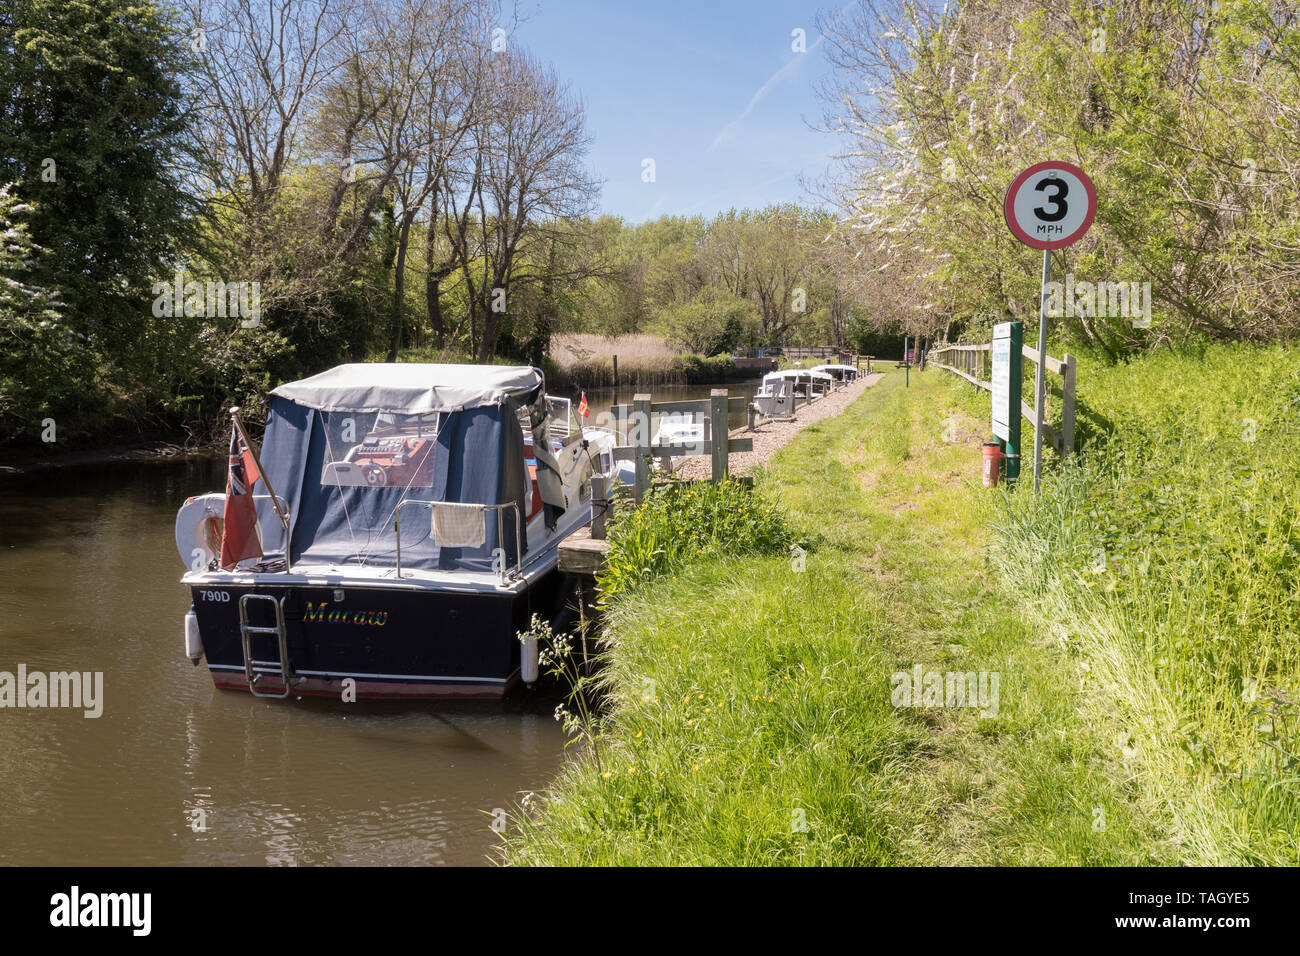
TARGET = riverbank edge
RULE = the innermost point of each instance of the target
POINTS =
(17, 463)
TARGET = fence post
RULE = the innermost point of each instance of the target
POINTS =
(641, 442)
(721, 433)
(599, 505)
(1067, 405)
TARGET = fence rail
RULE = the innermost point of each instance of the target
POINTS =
(635, 420)
(974, 363)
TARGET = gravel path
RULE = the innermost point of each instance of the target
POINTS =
(771, 436)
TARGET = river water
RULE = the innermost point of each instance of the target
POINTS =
(176, 772)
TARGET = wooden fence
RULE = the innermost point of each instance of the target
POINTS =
(827, 353)
(975, 364)
(636, 420)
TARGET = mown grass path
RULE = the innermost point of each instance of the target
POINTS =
(754, 723)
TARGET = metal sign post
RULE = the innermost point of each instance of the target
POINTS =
(1040, 373)
(1048, 206)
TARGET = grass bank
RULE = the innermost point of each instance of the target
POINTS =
(753, 719)
(1168, 562)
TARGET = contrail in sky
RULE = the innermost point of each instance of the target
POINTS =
(772, 81)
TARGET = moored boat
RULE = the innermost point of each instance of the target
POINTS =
(842, 374)
(677, 429)
(408, 520)
(805, 383)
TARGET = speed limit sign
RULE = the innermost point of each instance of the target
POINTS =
(1050, 205)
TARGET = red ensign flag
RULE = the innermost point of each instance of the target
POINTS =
(241, 537)
(582, 407)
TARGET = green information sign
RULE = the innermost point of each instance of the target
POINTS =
(1008, 345)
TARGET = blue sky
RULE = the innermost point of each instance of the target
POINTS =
(712, 92)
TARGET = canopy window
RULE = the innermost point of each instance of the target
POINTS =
(347, 472)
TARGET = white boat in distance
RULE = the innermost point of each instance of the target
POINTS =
(842, 374)
(805, 383)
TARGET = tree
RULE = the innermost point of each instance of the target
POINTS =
(532, 145)
(41, 353)
(93, 132)
(1181, 110)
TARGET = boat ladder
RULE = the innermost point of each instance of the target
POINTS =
(246, 632)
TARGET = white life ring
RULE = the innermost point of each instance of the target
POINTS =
(198, 530)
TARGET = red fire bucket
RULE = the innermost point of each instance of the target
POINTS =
(992, 463)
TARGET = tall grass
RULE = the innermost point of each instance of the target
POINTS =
(584, 359)
(579, 360)
(1169, 560)
(576, 347)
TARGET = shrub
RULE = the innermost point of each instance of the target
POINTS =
(676, 523)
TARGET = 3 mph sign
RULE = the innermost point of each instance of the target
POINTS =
(1050, 205)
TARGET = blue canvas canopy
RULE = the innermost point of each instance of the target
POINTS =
(345, 447)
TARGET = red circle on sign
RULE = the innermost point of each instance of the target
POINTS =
(1008, 206)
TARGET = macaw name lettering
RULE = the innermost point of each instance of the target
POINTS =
(315, 615)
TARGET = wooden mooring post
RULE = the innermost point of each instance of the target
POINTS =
(719, 444)
(640, 441)
(583, 552)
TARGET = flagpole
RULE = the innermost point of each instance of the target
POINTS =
(261, 472)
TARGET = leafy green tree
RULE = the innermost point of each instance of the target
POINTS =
(1182, 111)
(41, 356)
(92, 133)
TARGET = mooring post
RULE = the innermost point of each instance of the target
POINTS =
(718, 419)
(751, 412)
(616, 373)
(599, 506)
(641, 442)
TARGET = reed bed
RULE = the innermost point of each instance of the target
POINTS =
(583, 360)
